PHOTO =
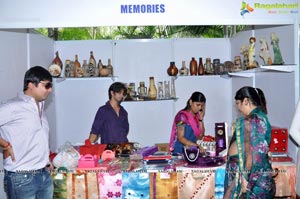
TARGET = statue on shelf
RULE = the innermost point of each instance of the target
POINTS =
(252, 62)
(264, 51)
(277, 54)
(245, 52)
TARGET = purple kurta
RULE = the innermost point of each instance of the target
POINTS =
(111, 127)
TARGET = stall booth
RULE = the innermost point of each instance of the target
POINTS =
(72, 106)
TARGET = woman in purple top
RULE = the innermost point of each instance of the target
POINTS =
(111, 120)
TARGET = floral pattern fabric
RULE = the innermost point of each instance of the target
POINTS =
(252, 136)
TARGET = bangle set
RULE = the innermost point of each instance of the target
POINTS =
(6, 147)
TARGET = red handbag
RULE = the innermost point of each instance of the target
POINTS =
(92, 149)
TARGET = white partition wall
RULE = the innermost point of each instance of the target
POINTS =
(13, 56)
(19, 51)
(138, 59)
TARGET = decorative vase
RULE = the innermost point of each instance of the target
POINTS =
(110, 68)
(68, 69)
(193, 66)
(167, 89)
(152, 93)
(142, 90)
(217, 67)
(85, 69)
(92, 64)
(172, 70)
(78, 70)
(57, 60)
(200, 67)
(184, 71)
(103, 70)
(208, 67)
(160, 92)
(173, 92)
(92, 60)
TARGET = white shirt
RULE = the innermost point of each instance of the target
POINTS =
(27, 131)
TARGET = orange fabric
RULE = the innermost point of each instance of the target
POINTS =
(163, 185)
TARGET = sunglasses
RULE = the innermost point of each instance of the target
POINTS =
(47, 85)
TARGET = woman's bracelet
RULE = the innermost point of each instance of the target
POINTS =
(6, 147)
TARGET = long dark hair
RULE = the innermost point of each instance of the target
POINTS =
(196, 97)
(256, 96)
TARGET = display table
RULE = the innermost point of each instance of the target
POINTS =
(183, 182)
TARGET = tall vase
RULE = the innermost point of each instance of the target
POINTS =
(201, 67)
(78, 70)
(193, 66)
(92, 64)
(173, 92)
(57, 60)
(152, 93)
(110, 68)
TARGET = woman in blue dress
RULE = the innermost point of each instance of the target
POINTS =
(248, 170)
(188, 126)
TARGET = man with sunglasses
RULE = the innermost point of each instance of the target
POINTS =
(24, 138)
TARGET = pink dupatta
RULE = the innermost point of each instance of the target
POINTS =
(190, 120)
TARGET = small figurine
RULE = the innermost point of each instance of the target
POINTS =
(264, 51)
(252, 62)
(245, 52)
(277, 54)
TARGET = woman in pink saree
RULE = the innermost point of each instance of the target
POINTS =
(188, 126)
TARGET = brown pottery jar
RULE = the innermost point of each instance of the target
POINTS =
(172, 70)
(193, 66)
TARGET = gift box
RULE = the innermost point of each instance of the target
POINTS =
(88, 161)
(279, 140)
